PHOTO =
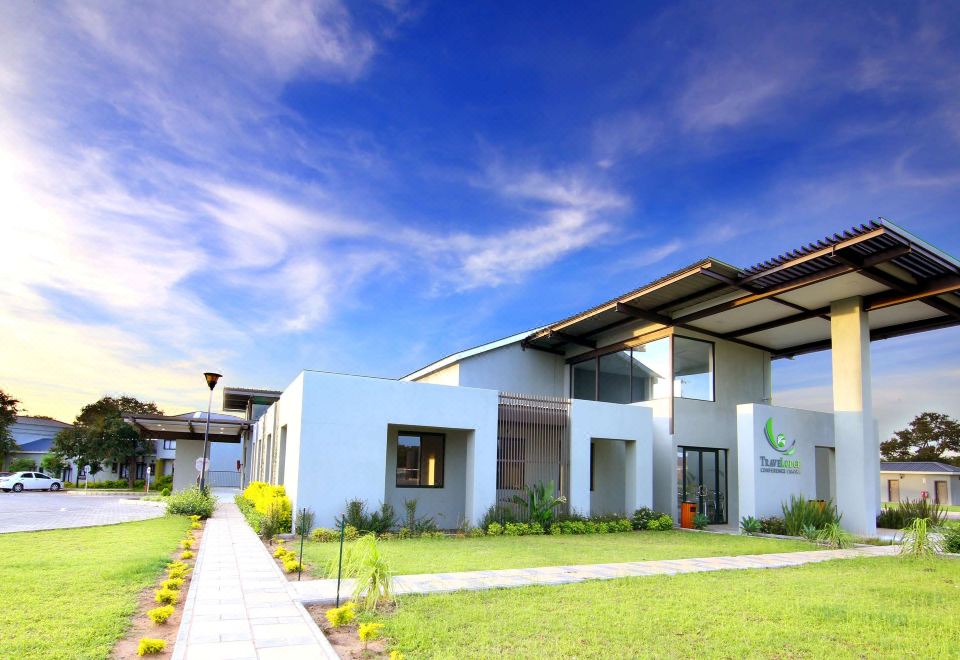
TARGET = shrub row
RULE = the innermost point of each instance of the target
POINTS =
(273, 505)
(159, 483)
(192, 502)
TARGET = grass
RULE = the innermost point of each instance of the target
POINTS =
(71, 593)
(876, 607)
(452, 554)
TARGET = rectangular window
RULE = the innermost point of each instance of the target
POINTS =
(141, 471)
(692, 369)
(420, 460)
(584, 376)
(613, 377)
(170, 444)
(634, 374)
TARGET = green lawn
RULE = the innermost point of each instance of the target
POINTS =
(882, 607)
(453, 554)
(70, 593)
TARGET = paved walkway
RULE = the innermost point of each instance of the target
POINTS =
(324, 591)
(239, 605)
(24, 512)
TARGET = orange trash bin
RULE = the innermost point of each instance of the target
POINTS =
(687, 511)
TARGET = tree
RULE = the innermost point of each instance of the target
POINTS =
(78, 445)
(8, 417)
(23, 464)
(929, 437)
(99, 435)
(52, 465)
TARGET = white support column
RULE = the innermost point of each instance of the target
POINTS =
(579, 471)
(638, 464)
(857, 453)
(481, 472)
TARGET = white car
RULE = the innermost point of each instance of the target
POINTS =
(19, 481)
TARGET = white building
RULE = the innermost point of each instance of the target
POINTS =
(658, 396)
(914, 480)
(34, 438)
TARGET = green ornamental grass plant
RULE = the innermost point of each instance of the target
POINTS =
(800, 511)
(833, 535)
(920, 540)
(365, 563)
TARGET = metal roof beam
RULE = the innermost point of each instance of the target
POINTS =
(653, 317)
(572, 339)
(936, 287)
(876, 334)
(823, 312)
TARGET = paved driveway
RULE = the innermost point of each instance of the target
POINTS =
(22, 512)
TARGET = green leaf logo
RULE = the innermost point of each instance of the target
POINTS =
(778, 441)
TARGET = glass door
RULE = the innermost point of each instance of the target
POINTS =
(703, 480)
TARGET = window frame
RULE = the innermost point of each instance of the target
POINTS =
(443, 458)
(167, 443)
(713, 368)
(595, 356)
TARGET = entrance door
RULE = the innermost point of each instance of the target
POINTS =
(893, 490)
(940, 492)
(703, 479)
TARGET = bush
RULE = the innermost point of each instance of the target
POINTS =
(291, 565)
(186, 554)
(339, 616)
(192, 501)
(22, 465)
(148, 646)
(918, 541)
(195, 525)
(377, 522)
(951, 539)
(369, 631)
(800, 511)
(750, 525)
(167, 596)
(773, 525)
(249, 511)
(416, 526)
(891, 518)
(663, 523)
(498, 514)
(186, 544)
(272, 522)
(303, 522)
(173, 584)
(324, 535)
(495, 529)
(272, 501)
(921, 508)
(364, 562)
(700, 521)
(165, 492)
(538, 503)
(160, 614)
(642, 517)
(833, 535)
(177, 569)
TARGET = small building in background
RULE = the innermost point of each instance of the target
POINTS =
(912, 480)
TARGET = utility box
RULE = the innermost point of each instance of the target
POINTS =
(687, 511)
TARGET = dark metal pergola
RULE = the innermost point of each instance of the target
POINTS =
(179, 427)
(782, 305)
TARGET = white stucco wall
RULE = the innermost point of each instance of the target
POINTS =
(609, 483)
(446, 376)
(763, 485)
(630, 424)
(913, 484)
(512, 369)
(185, 475)
(341, 441)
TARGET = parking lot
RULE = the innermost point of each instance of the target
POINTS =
(23, 512)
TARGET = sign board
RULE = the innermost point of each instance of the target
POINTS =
(202, 463)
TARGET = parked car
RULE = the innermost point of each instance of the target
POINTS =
(5, 474)
(19, 481)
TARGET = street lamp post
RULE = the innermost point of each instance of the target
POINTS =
(212, 379)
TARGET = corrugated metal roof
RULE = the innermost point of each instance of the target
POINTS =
(918, 466)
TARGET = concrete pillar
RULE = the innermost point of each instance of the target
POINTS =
(481, 472)
(580, 472)
(857, 453)
(634, 496)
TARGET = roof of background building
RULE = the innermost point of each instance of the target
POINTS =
(27, 419)
(40, 445)
(918, 466)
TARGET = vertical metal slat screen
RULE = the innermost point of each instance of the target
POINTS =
(533, 445)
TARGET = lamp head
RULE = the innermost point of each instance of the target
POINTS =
(212, 379)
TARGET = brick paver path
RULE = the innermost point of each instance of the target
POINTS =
(324, 591)
(239, 604)
(25, 512)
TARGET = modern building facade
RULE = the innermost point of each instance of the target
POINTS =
(913, 480)
(658, 396)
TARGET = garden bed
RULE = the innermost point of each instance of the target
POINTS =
(345, 639)
(142, 626)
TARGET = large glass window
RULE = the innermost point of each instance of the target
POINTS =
(585, 379)
(420, 460)
(634, 374)
(692, 369)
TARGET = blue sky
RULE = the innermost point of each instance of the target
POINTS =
(365, 188)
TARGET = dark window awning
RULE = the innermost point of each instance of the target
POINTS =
(783, 305)
(173, 427)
